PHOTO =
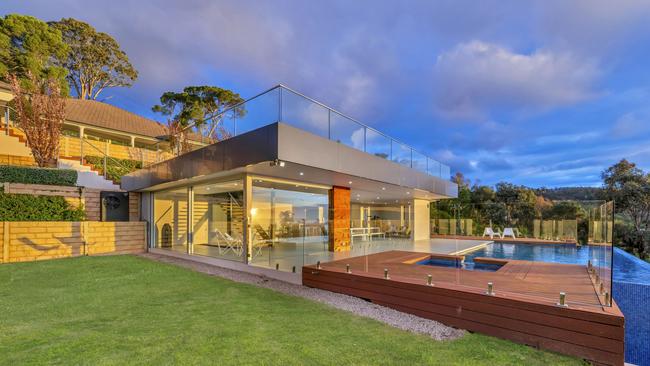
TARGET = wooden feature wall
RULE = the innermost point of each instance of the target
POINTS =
(339, 219)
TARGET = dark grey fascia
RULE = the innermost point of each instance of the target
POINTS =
(280, 141)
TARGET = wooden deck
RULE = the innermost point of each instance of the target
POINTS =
(523, 308)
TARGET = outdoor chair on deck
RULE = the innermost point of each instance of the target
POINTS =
(491, 233)
(509, 232)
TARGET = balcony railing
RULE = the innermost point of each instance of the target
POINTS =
(282, 104)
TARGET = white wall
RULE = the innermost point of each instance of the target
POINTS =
(421, 226)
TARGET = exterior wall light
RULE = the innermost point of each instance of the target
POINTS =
(386, 276)
(347, 268)
(562, 301)
(318, 265)
(429, 280)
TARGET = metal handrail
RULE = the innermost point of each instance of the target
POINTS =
(105, 157)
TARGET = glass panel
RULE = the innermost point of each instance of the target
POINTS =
(170, 220)
(346, 131)
(289, 225)
(433, 167)
(419, 161)
(227, 124)
(218, 220)
(401, 154)
(303, 113)
(445, 172)
(377, 144)
(258, 112)
(537, 235)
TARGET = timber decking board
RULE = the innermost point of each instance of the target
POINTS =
(517, 312)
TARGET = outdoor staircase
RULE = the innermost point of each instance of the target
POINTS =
(87, 177)
(14, 144)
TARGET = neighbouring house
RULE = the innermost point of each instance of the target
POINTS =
(92, 130)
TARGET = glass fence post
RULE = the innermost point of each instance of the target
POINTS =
(329, 124)
(365, 137)
(280, 105)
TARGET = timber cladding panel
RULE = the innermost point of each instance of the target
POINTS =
(339, 219)
(597, 336)
(37, 240)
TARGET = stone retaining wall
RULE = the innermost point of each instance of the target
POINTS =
(37, 240)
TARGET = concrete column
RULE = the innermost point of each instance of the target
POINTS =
(132, 141)
(248, 205)
(190, 220)
(339, 219)
(81, 144)
(420, 224)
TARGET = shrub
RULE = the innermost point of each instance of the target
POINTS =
(24, 207)
(30, 175)
(116, 168)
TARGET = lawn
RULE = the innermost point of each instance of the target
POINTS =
(130, 310)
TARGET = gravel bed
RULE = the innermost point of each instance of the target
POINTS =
(351, 304)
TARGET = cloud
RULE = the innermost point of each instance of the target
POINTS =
(475, 78)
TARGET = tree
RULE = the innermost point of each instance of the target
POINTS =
(629, 187)
(29, 46)
(94, 59)
(40, 113)
(200, 109)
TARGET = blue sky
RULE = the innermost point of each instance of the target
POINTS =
(541, 93)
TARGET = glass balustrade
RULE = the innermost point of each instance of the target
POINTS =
(281, 104)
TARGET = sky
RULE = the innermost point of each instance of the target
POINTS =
(540, 93)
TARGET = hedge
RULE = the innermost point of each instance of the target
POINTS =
(24, 207)
(116, 167)
(29, 175)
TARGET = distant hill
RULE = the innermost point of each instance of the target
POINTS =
(571, 193)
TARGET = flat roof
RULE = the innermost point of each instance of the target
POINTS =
(307, 158)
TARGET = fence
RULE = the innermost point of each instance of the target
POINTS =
(36, 240)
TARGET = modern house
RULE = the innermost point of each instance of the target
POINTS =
(298, 183)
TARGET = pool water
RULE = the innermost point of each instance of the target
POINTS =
(472, 266)
(556, 253)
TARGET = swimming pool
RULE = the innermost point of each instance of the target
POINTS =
(627, 268)
(556, 253)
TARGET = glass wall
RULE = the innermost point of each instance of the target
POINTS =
(289, 224)
(170, 220)
(394, 221)
(218, 219)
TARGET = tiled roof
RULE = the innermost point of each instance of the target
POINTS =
(98, 114)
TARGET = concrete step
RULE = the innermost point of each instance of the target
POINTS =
(87, 177)
(11, 145)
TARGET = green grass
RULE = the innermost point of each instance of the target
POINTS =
(129, 310)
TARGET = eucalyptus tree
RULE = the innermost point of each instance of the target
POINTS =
(94, 60)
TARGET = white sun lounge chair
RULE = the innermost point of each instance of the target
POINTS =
(509, 232)
(227, 243)
(491, 233)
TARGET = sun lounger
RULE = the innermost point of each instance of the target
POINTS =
(491, 233)
(509, 232)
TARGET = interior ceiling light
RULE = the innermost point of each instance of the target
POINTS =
(301, 173)
(350, 182)
(383, 188)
